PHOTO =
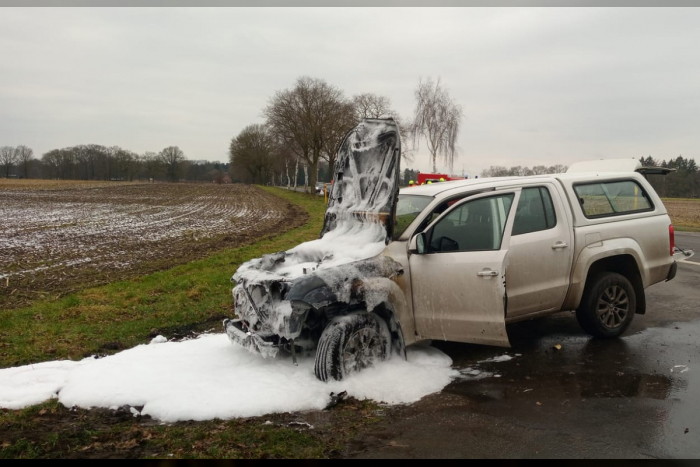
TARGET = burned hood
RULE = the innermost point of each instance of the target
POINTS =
(366, 179)
(343, 283)
(360, 206)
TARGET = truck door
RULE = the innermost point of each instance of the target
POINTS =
(458, 271)
(540, 252)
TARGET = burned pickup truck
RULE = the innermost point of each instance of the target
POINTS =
(325, 295)
(454, 260)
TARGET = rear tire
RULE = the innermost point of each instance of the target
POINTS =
(608, 305)
(350, 344)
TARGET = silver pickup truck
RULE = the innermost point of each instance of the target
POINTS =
(453, 260)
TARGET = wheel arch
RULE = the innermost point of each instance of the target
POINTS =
(622, 261)
(385, 310)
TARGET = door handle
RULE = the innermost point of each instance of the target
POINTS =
(487, 272)
(559, 246)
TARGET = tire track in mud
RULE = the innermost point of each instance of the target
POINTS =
(57, 241)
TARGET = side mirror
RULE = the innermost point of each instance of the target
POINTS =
(418, 244)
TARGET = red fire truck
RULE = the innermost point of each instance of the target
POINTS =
(431, 177)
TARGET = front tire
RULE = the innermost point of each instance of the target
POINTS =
(350, 344)
(608, 306)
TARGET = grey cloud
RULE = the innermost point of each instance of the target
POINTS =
(537, 85)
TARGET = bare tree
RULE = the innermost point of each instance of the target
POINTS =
(127, 164)
(25, 156)
(152, 165)
(173, 159)
(370, 105)
(557, 169)
(284, 160)
(8, 158)
(252, 152)
(437, 119)
(518, 170)
(495, 171)
(304, 117)
(336, 129)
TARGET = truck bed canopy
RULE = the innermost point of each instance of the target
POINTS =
(617, 165)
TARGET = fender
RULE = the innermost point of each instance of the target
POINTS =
(381, 295)
(595, 252)
(384, 297)
(311, 290)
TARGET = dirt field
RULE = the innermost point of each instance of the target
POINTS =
(61, 236)
(685, 213)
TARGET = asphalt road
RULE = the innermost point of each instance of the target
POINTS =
(564, 394)
(689, 240)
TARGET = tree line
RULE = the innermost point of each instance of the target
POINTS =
(305, 124)
(96, 162)
(303, 128)
(520, 171)
(683, 182)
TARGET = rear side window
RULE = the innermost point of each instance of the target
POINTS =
(612, 198)
(535, 211)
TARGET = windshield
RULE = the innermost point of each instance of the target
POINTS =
(407, 209)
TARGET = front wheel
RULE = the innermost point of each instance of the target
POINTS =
(350, 344)
(608, 306)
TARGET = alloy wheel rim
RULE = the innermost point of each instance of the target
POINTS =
(613, 306)
(362, 349)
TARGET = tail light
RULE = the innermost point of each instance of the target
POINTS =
(671, 238)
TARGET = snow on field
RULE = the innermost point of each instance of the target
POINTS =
(207, 378)
(50, 237)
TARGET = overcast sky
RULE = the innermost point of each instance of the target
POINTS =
(537, 85)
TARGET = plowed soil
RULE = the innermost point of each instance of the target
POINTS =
(64, 236)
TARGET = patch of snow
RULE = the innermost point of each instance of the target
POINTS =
(159, 340)
(499, 359)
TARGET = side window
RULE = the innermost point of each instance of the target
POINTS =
(612, 198)
(474, 226)
(535, 211)
(439, 209)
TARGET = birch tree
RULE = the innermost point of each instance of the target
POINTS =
(437, 119)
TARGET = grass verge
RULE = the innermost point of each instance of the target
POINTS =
(52, 431)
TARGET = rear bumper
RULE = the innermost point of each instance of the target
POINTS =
(672, 271)
(253, 342)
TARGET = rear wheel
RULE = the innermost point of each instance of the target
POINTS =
(350, 344)
(608, 305)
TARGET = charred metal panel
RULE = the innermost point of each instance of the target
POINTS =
(274, 293)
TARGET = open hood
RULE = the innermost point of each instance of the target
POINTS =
(366, 178)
